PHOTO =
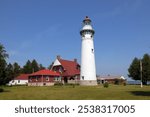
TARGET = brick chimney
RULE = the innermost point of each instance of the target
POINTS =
(58, 57)
(75, 60)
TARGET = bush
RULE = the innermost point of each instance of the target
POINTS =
(106, 85)
(124, 84)
(1, 90)
(117, 82)
(58, 84)
(69, 84)
(72, 84)
(77, 84)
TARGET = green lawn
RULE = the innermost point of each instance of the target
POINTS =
(113, 92)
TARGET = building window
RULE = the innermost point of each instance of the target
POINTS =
(59, 78)
(82, 77)
(54, 68)
(18, 81)
(60, 69)
(56, 78)
(30, 79)
(44, 84)
(47, 78)
(36, 79)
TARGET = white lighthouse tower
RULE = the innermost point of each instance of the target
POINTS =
(88, 70)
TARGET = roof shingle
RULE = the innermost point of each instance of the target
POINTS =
(70, 67)
(22, 77)
(45, 72)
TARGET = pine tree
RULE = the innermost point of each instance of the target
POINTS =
(35, 66)
(134, 69)
(41, 67)
(27, 68)
(17, 69)
(50, 66)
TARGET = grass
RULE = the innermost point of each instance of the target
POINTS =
(113, 92)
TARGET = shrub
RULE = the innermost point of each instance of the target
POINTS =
(77, 84)
(72, 84)
(1, 90)
(69, 84)
(106, 85)
(117, 82)
(124, 84)
(58, 84)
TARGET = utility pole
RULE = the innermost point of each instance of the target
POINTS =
(141, 72)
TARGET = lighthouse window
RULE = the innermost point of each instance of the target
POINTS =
(92, 50)
(82, 77)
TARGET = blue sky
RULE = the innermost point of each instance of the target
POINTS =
(42, 29)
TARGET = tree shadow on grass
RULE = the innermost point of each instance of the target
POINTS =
(5, 91)
(140, 93)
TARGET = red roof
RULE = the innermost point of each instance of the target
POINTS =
(22, 77)
(70, 67)
(45, 72)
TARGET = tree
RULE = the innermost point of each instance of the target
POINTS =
(27, 68)
(16, 69)
(31, 67)
(145, 68)
(41, 67)
(9, 73)
(134, 69)
(35, 66)
(3, 53)
(50, 66)
(3, 64)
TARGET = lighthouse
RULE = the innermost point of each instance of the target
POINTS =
(88, 69)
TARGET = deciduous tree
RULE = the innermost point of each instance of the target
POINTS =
(9, 73)
(135, 69)
(3, 64)
(146, 68)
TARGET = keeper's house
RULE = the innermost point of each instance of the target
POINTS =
(69, 70)
(43, 78)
